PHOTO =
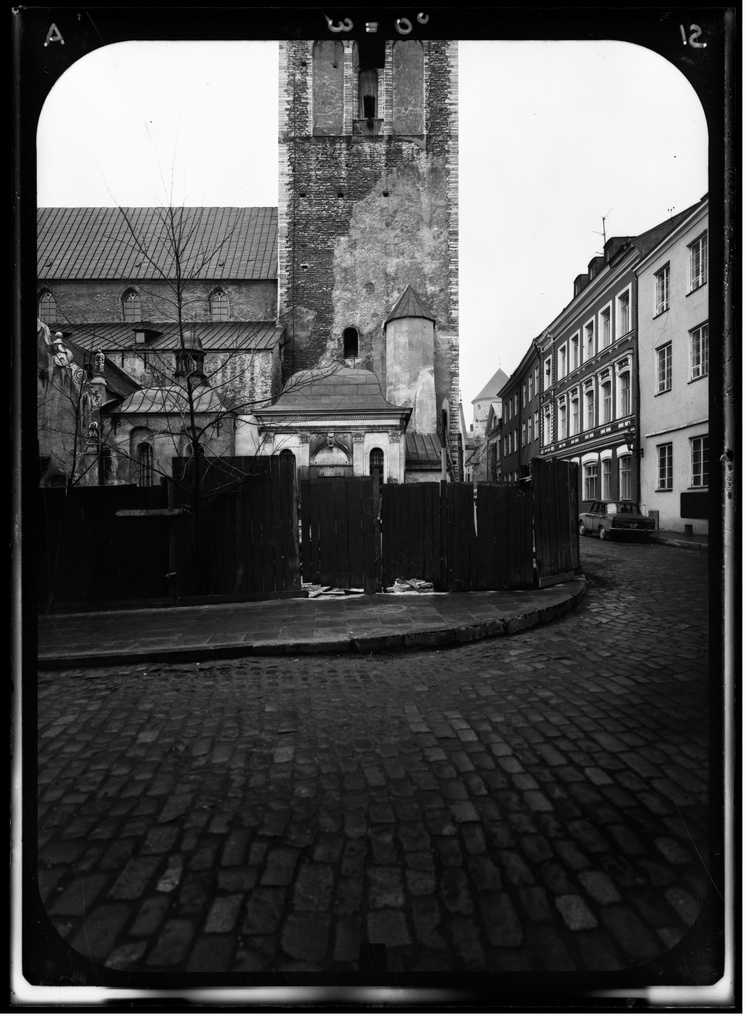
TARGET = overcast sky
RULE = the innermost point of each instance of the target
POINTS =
(553, 136)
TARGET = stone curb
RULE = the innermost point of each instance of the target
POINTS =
(441, 636)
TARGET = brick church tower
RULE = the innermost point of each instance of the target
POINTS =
(368, 207)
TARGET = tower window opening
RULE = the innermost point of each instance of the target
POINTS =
(350, 343)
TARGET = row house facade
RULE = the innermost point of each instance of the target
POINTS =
(673, 346)
(517, 437)
(589, 374)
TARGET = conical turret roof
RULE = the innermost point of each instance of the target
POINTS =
(410, 304)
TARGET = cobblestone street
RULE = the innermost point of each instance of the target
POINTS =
(536, 802)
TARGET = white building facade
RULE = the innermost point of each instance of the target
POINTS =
(673, 346)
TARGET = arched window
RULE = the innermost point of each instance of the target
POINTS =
(376, 463)
(219, 309)
(144, 465)
(350, 343)
(190, 449)
(132, 310)
(47, 307)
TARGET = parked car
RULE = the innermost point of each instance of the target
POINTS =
(609, 518)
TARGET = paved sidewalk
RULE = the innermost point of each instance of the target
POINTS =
(352, 624)
(696, 541)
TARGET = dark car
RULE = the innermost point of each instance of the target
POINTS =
(609, 518)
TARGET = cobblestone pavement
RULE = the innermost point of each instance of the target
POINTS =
(537, 802)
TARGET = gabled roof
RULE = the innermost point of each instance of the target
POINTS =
(410, 304)
(333, 389)
(493, 387)
(112, 243)
(224, 335)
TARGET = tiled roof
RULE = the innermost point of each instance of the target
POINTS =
(333, 389)
(410, 304)
(493, 387)
(423, 449)
(108, 243)
(170, 400)
(217, 336)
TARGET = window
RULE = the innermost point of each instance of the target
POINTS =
(219, 305)
(548, 372)
(536, 426)
(529, 431)
(536, 381)
(604, 328)
(624, 379)
(606, 477)
(529, 389)
(623, 314)
(132, 310)
(589, 409)
(574, 415)
(699, 352)
(664, 455)
(368, 94)
(144, 467)
(46, 308)
(574, 352)
(699, 461)
(626, 476)
(562, 422)
(661, 301)
(699, 262)
(523, 434)
(664, 368)
(606, 401)
(589, 341)
(376, 463)
(350, 343)
(524, 395)
(516, 439)
(547, 439)
(591, 481)
(562, 365)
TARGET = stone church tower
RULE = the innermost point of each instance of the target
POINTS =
(368, 208)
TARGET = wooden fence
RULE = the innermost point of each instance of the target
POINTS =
(125, 545)
(257, 532)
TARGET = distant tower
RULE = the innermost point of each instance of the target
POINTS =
(368, 203)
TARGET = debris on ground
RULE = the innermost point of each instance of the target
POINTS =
(410, 586)
(317, 590)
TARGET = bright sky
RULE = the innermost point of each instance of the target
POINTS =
(553, 136)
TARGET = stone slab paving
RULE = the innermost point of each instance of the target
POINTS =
(537, 802)
(353, 624)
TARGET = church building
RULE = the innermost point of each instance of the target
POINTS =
(368, 229)
(327, 328)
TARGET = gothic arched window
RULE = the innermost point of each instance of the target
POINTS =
(47, 307)
(219, 309)
(132, 310)
(350, 343)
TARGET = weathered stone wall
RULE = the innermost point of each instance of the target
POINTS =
(101, 301)
(362, 216)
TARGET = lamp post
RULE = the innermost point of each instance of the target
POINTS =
(630, 440)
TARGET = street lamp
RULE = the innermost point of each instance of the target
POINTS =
(629, 438)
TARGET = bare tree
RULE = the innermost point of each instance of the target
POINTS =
(197, 402)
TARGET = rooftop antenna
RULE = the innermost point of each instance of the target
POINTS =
(603, 232)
